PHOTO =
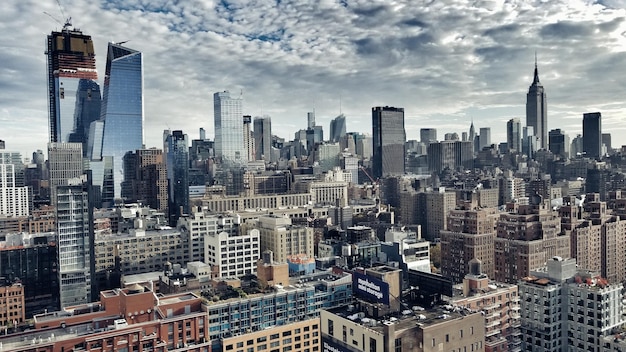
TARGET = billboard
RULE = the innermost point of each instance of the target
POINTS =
(430, 283)
(370, 288)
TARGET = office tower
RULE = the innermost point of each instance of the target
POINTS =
(449, 155)
(229, 146)
(428, 135)
(94, 141)
(485, 137)
(202, 132)
(74, 214)
(606, 141)
(472, 132)
(14, 200)
(15, 159)
(263, 138)
(337, 128)
(248, 138)
(2, 144)
(73, 94)
(514, 135)
(327, 156)
(558, 143)
(592, 135)
(464, 136)
(537, 110)
(529, 141)
(146, 176)
(310, 120)
(176, 148)
(122, 108)
(314, 136)
(65, 161)
(576, 148)
(451, 136)
(389, 138)
(364, 146)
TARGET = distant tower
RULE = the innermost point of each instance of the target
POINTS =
(122, 108)
(73, 94)
(229, 146)
(558, 143)
(310, 119)
(389, 139)
(592, 135)
(248, 138)
(337, 128)
(428, 135)
(263, 138)
(176, 149)
(514, 135)
(537, 110)
(485, 137)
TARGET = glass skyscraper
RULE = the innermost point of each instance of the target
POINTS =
(263, 138)
(229, 145)
(389, 139)
(176, 148)
(73, 94)
(337, 128)
(122, 108)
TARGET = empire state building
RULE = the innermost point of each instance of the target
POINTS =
(537, 110)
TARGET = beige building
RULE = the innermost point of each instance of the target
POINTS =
(147, 181)
(301, 336)
(499, 304)
(470, 235)
(221, 203)
(283, 239)
(436, 206)
(12, 307)
(437, 329)
(527, 236)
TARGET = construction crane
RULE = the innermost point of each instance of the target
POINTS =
(68, 20)
(374, 182)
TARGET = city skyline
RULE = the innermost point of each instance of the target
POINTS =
(461, 62)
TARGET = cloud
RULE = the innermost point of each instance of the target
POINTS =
(441, 60)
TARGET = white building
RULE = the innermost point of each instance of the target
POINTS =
(233, 249)
(566, 310)
(14, 201)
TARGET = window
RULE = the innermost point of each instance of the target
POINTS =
(372, 345)
(330, 327)
(398, 345)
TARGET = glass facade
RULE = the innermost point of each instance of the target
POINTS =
(229, 145)
(176, 147)
(122, 108)
(73, 94)
(389, 139)
(337, 128)
(263, 138)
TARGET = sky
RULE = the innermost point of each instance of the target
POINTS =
(445, 62)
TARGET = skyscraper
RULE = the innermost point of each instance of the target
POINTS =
(248, 138)
(229, 146)
(14, 200)
(337, 128)
(389, 138)
(428, 135)
(514, 135)
(122, 108)
(263, 138)
(147, 178)
(73, 94)
(65, 161)
(537, 110)
(74, 214)
(310, 119)
(485, 137)
(592, 135)
(558, 143)
(176, 147)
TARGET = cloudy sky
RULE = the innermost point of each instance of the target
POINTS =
(445, 62)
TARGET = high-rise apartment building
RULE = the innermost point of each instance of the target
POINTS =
(469, 235)
(229, 146)
(337, 128)
(73, 94)
(248, 138)
(592, 135)
(14, 200)
(75, 233)
(537, 110)
(514, 135)
(389, 138)
(176, 149)
(122, 108)
(65, 161)
(263, 138)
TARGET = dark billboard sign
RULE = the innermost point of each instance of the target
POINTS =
(370, 288)
(330, 346)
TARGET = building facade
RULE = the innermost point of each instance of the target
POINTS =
(176, 148)
(122, 108)
(263, 138)
(537, 110)
(389, 138)
(592, 135)
(229, 146)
